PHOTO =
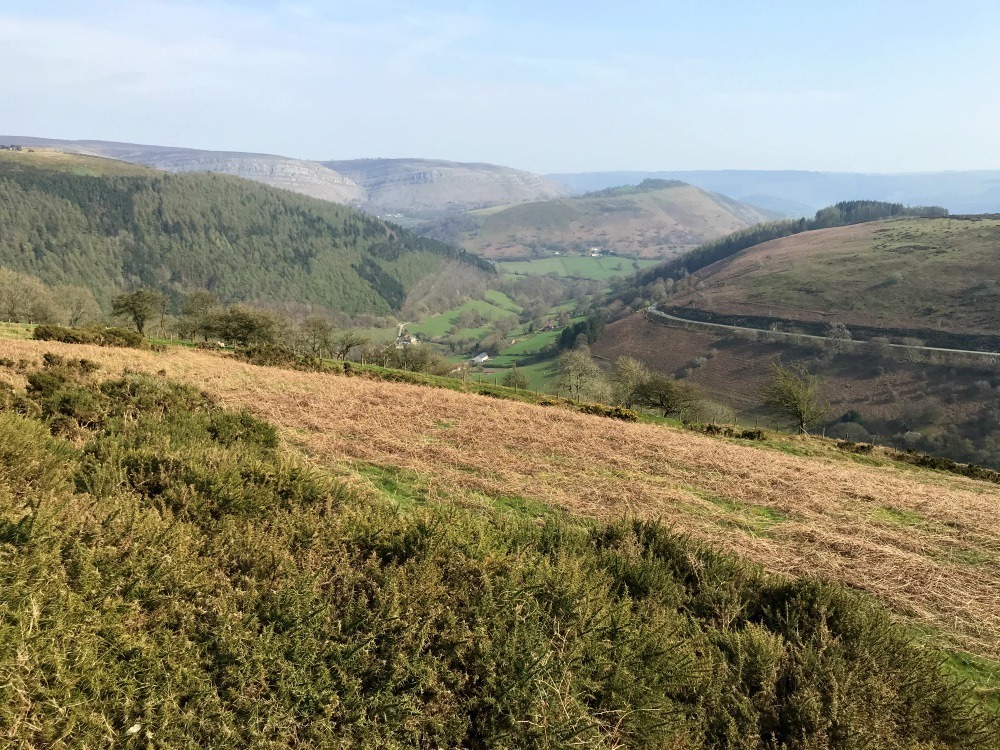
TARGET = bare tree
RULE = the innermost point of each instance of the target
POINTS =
(316, 336)
(348, 340)
(667, 395)
(577, 371)
(796, 394)
(79, 303)
(627, 377)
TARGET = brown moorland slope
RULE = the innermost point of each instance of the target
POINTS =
(734, 369)
(925, 543)
(934, 274)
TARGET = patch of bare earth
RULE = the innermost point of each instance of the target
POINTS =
(925, 543)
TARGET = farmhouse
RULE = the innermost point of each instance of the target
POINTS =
(480, 358)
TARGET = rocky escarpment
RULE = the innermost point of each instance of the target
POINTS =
(431, 187)
(306, 177)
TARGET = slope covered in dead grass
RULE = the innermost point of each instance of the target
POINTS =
(924, 543)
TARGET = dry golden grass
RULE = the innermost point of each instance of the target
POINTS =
(927, 544)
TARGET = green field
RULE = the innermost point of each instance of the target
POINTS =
(576, 267)
(438, 326)
(16, 330)
(499, 299)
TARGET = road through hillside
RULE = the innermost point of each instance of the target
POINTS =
(654, 310)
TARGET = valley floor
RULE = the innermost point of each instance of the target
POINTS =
(927, 544)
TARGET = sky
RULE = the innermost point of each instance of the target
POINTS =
(548, 86)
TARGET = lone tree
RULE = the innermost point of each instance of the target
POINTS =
(316, 336)
(197, 310)
(347, 341)
(140, 306)
(515, 379)
(241, 325)
(796, 394)
(627, 378)
(667, 395)
(577, 371)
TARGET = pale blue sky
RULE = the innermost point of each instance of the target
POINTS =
(546, 86)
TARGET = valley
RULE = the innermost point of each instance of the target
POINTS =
(490, 376)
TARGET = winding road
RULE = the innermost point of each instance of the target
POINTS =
(654, 310)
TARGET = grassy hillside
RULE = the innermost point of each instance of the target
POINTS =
(79, 220)
(305, 177)
(906, 273)
(50, 160)
(650, 221)
(197, 577)
(797, 193)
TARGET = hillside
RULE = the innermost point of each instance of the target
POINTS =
(653, 220)
(914, 275)
(406, 189)
(299, 176)
(947, 405)
(472, 584)
(432, 187)
(799, 193)
(64, 222)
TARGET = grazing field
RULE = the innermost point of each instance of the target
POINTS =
(905, 273)
(498, 306)
(927, 544)
(576, 267)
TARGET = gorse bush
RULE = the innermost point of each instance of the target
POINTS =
(170, 578)
(98, 336)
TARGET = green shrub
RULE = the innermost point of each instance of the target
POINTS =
(180, 574)
(271, 355)
(98, 336)
(727, 431)
(614, 412)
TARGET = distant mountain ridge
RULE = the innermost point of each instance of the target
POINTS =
(305, 177)
(802, 193)
(431, 187)
(422, 188)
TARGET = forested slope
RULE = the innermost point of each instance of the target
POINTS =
(175, 233)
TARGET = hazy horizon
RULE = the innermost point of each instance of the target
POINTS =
(553, 88)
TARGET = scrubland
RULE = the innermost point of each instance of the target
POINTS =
(223, 554)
